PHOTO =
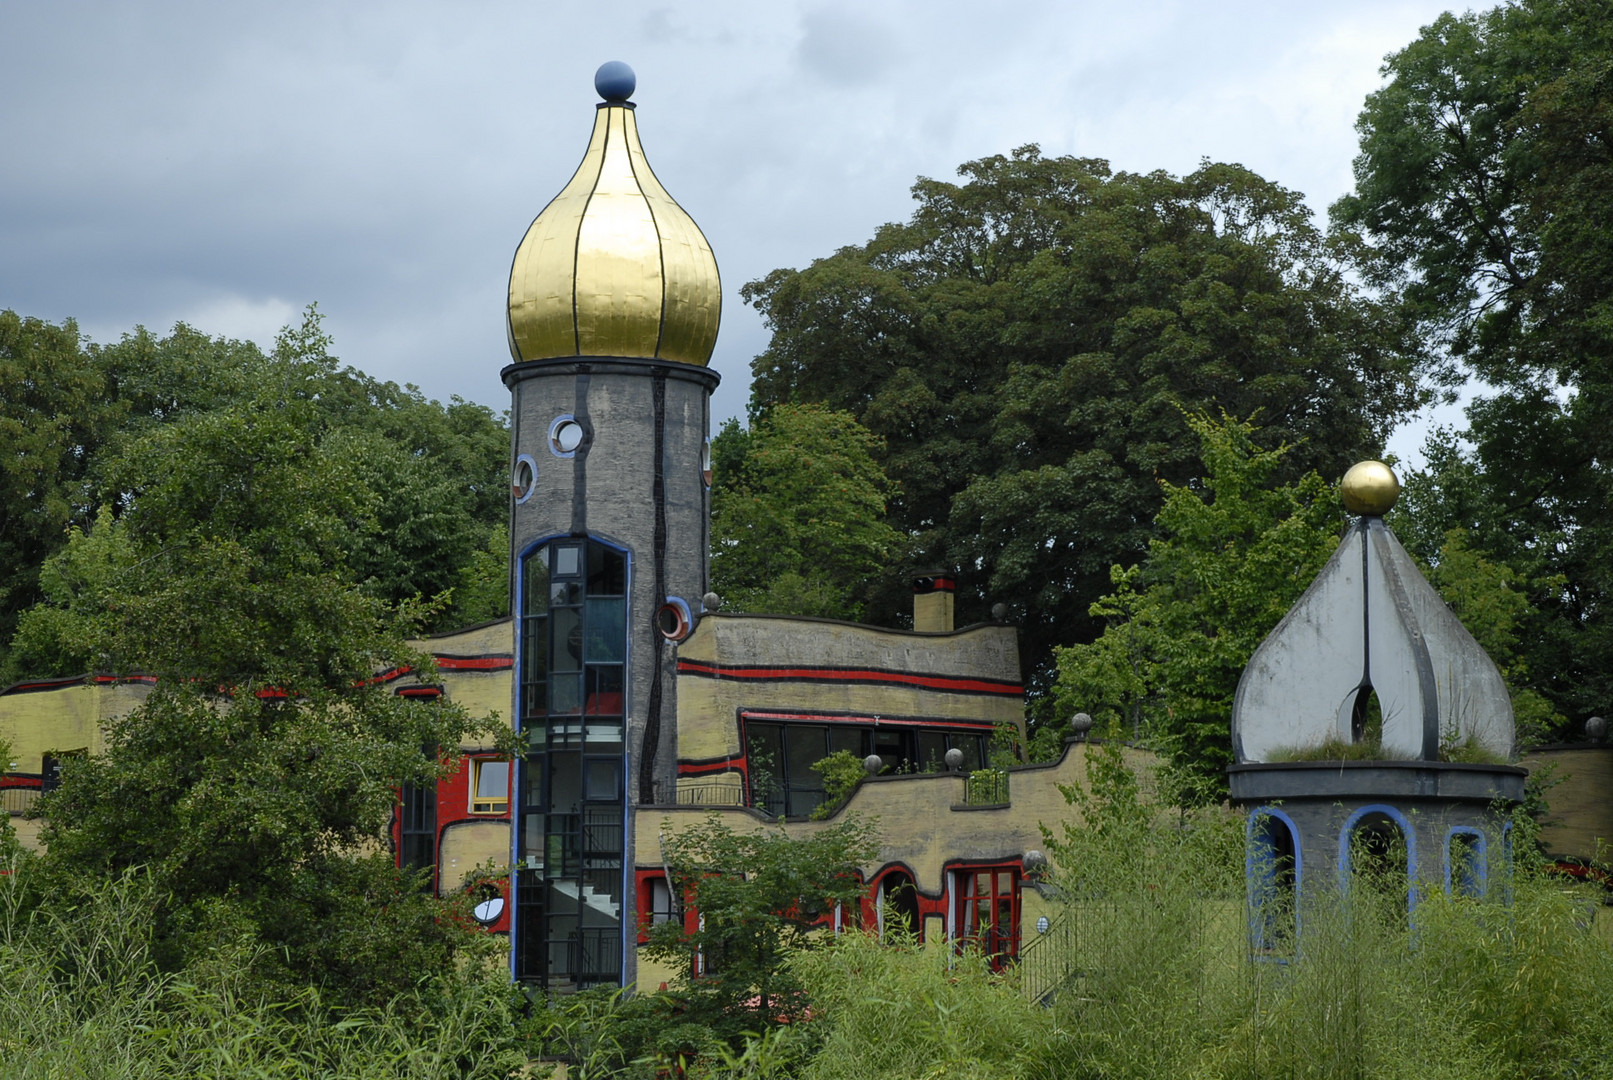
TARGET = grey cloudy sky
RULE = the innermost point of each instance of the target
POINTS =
(226, 163)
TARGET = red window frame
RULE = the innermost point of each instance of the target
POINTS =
(644, 894)
(987, 912)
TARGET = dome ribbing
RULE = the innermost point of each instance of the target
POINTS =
(613, 266)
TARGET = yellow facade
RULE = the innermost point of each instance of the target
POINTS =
(735, 663)
(1580, 825)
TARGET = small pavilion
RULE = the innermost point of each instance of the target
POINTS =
(1370, 726)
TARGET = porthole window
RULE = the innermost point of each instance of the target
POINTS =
(673, 619)
(524, 479)
(565, 435)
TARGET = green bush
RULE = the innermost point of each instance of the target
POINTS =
(81, 996)
(842, 771)
(1154, 978)
(906, 1011)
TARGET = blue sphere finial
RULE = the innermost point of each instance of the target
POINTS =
(615, 81)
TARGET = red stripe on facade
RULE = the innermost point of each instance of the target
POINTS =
(17, 780)
(495, 662)
(385, 676)
(44, 684)
(872, 676)
(475, 663)
(711, 768)
(875, 721)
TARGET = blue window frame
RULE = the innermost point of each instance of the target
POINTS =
(571, 829)
(1272, 869)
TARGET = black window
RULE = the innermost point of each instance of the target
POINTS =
(50, 774)
(417, 836)
(573, 648)
(780, 756)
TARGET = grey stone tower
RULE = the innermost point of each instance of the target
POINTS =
(613, 310)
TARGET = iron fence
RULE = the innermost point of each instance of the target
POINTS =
(1047, 960)
(986, 787)
(18, 800)
(700, 795)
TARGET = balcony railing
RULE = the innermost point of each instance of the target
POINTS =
(699, 795)
(18, 800)
(986, 787)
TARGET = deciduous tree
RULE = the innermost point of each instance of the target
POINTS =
(1026, 344)
(429, 481)
(1485, 188)
(762, 896)
(256, 781)
(798, 513)
(1234, 551)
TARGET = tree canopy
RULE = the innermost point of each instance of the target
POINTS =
(250, 560)
(425, 483)
(1235, 550)
(1026, 344)
(1484, 188)
(798, 513)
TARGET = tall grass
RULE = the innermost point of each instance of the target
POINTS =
(81, 998)
(1160, 979)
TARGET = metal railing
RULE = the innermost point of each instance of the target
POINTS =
(986, 787)
(700, 795)
(1047, 960)
(18, 800)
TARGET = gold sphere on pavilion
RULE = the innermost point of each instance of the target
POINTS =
(1370, 489)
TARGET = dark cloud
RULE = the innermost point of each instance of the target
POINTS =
(227, 164)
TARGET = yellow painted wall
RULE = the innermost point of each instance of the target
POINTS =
(1580, 824)
(921, 817)
(71, 718)
(708, 708)
(479, 693)
(466, 845)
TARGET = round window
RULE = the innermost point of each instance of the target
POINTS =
(525, 478)
(565, 436)
(673, 620)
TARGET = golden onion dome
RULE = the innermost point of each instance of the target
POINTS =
(613, 266)
(1370, 489)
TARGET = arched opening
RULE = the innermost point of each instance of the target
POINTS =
(1366, 718)
(1378, 859)
(1272, 868)
(898, 908)
(1466, 869)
